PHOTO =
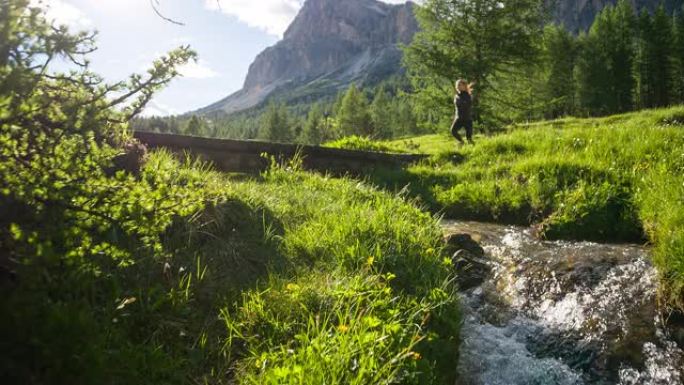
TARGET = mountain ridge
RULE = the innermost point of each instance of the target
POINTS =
(332, 43)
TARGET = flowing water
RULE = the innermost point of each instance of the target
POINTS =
(562, 313)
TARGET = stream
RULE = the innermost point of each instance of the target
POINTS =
(540, 312)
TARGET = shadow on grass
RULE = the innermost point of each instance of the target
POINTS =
(404, 182)
(577, 202)
(237, 242)
(424, 187)
(448, 157)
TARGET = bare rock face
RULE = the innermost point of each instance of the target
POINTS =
(335, 41)
(327, 34)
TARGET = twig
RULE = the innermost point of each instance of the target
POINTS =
(154, 4)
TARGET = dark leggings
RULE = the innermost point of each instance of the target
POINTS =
(458, 124)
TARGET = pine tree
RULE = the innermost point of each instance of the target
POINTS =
(656, 59)
(678, 58)
(560, 49)
(662, 57)
(405, 121)
(337, 104)
(382, 115)
(620, 45)
(195, 126)
(276, 124)
(312, 133)
(472, 39)
(606, 60)
(353, 115)
(644, 66)
(296, 124)
(592, 75)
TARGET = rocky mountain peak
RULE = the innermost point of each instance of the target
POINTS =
(328, 33)
(334, 41)
(349, 19)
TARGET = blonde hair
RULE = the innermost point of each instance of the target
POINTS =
(469, 87)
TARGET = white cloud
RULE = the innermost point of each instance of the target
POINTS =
(155, 108)
(197, 70)
(62, 12)
(272, 16)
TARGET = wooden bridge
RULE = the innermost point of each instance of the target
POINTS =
(248, 155)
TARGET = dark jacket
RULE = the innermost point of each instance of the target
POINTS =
(464, 106)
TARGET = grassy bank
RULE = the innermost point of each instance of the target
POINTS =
(291, 278)
(618, 178)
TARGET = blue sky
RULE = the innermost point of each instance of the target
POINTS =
(227, 34)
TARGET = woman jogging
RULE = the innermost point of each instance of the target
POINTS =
(463, 102)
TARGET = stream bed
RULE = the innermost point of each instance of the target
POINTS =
(560, 312)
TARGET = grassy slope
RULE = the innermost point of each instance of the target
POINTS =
(615, 178)
(292, 278)
(366, 289)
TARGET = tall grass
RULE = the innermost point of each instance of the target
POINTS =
(360, 143)
(290, 278)
(367, 298)
(619, 178)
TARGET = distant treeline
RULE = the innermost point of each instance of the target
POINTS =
(379, 112)
(624, 62)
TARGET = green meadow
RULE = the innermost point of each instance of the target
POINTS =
(612, 179)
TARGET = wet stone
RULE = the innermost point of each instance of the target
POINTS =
(463, 241)
(675, 323)
(468, 260)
